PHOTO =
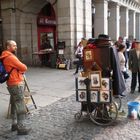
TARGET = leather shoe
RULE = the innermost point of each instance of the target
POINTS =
(75, 73)
(22, 130)
(132, 91)
(122, 95)
(14, 127)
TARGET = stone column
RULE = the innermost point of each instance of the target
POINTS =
(132, 24)
(114, 21)
(66, 25)
(101, 22)
(88, 18)
(124, 21)
(138, 26)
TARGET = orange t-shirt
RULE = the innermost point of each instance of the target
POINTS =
(11, 61)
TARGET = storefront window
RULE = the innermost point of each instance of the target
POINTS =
(47, 40)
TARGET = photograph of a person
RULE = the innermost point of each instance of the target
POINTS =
(82, 97)
(105, 84)
(94, 96)
(81, 84)
(104, 96)
(96, 79)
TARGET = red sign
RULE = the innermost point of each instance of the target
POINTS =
(46, 21)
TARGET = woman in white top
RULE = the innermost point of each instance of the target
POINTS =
(122, 60)
(79, 51)
(79, 55)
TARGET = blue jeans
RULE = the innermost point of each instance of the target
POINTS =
(79, 64)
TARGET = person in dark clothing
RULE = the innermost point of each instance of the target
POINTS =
(134, 66)
(127, 43)
(45, 57)
(46, 44)
(118, 82)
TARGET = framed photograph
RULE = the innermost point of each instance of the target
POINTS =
(94, 94)
(95, 79)
(61, 51)
(82, 96)
(81, 84)
(88, 55)
(105, 83)
(105, 96)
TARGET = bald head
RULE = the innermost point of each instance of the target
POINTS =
(11, 46)
(9, 43)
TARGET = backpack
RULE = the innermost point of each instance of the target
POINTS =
(4, 75)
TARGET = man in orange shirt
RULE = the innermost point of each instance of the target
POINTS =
(15, 86)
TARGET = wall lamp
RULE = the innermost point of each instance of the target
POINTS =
(93, 9)
(108, 13)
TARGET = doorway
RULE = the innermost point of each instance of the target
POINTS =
(46, 33)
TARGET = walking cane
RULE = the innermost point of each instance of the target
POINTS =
(29, 92)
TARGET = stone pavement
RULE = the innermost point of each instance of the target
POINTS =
(55, 121)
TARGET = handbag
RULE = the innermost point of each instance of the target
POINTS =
(78, 56)
(125, 74)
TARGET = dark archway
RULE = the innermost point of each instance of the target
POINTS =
(47, 10)
(46, 24)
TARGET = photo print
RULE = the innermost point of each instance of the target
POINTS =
(105, 85)
(104, 96)
(94, 96)
(81, 84)
(82, 96)
(96, 79)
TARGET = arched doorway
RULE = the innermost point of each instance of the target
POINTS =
(46, 26)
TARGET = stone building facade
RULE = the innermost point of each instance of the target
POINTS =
(66, 20)
(117, 18)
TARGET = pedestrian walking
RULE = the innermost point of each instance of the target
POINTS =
(118, 43)
(79, 55)
(134, 66)
(128, 47)
(15, 86)
(122, 61)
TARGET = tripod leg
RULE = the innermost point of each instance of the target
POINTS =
(9, 109)
(33, 102)
(29, 92)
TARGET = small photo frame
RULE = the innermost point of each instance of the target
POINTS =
(61, 51)
(105, 83)
(104, 96)
(94, 94)
(81, 84)
(88, 55)
(95, 79)
(82, 96)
